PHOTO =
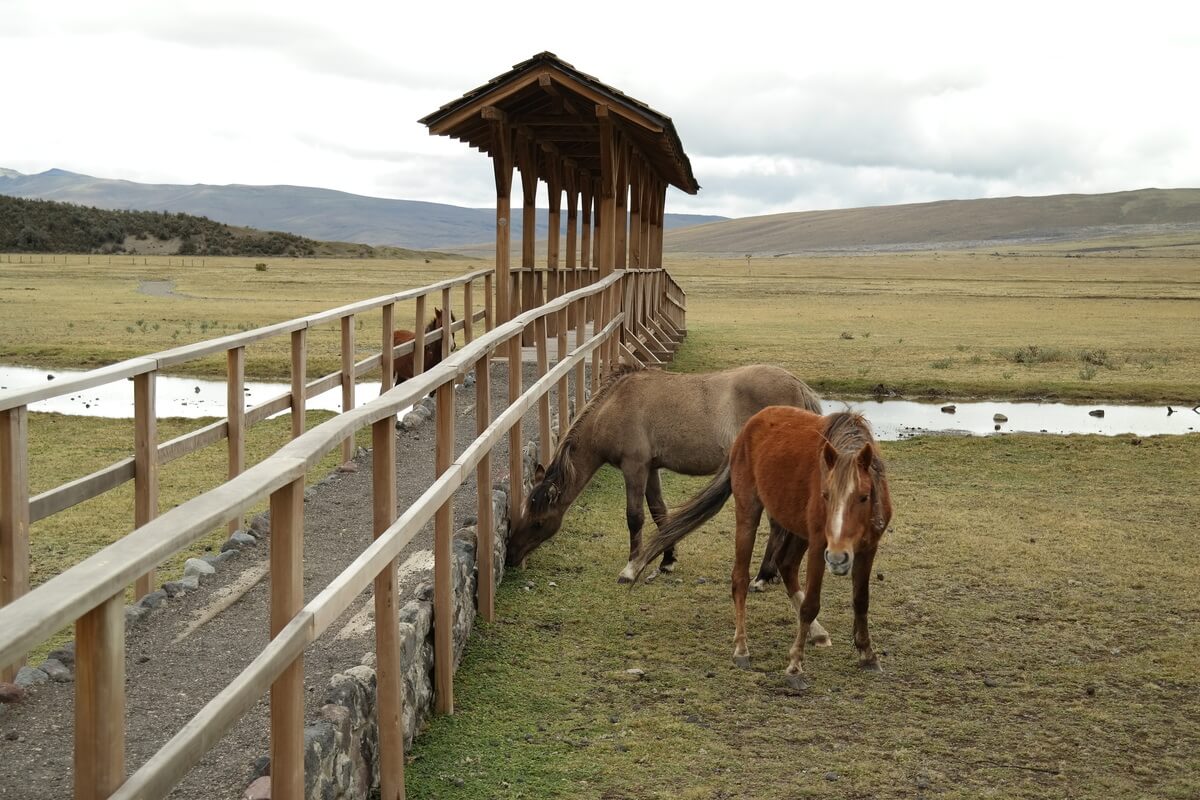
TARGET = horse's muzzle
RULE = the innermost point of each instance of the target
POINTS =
(838, 563)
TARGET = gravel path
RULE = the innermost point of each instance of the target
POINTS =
(169, 681)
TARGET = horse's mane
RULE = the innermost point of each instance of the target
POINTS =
(560, 471)
(848, 432)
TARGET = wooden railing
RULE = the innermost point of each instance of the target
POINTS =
(91, 594)
(18, 510)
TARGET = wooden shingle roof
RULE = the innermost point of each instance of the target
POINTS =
(555, 104)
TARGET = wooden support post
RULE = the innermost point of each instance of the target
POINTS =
(580, 337)
(14, 515)
(387, 339)
(502, 166)
(287, 598)
(620, 246)
(635, 216)
(145, 465)
(571, 182)
(516, 488)
(389, 671)
(585, 211)
(419, 338)
(489, 302)
(606, 218)
(527, 165)
(443, 531)
(485, 546)
(299, 379)
(100, 700)
(348, 381)
(236, 403)
(447, 343)
(564, 412)
(543, 403)
(554, 190)
(468, 312)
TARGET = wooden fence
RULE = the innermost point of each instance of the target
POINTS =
(632, 314)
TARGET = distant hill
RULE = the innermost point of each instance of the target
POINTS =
(45, 226)
(945, 223)
(316, 213)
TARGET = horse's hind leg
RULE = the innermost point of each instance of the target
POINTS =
(791, 554)
(777, 543)
(658, 512)
(749, 514)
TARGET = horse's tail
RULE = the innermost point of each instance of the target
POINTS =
(697, 511)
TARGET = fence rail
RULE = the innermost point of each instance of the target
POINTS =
(629, 310)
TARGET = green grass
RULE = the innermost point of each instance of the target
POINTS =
(1042, 564)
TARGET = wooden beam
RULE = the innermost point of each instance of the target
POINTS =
(145, 465)
(299, 379)
(100, 700)
(348, 381)
(527, 165)
(287, 598)
(236, 414)
(14, 516)
(443, 554)
(389, 671)
(419, 337)
(485, 545)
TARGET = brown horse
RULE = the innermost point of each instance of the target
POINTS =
(645, 420)
(402, 366)
(820, 478)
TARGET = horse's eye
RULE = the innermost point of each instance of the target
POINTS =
(825, 495)
(862, 498)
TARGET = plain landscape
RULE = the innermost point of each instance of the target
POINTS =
(1034, 646)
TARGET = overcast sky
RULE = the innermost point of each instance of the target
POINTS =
(781, 107)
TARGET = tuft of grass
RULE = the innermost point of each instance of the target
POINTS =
(1034, 354)
(942, 363)
(1087, 372)
(1097, 358)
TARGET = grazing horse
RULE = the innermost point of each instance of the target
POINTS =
(644, 420)
(822, 479)
(402, 366)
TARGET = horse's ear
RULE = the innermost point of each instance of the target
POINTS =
(830, 454)
(865, 458)
(552, 493)
(539, 473)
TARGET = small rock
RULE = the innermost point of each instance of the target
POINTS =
(457, 781)
(553, 584)
(831, 776)
(990, 683)
(879, 576)
(922, 782)
(30, 676)
(11, 693)
(49, 377)
(12, 736)
(57, 671)
(1090, 691)
(349, 466)
(135, 614)
(190, 582)
(1135, 441)
(1073, 582)
(621, 747)
(949, 409)
(260, 767)
(529, 584)
(999, 418)
(174, 588)
(613, 719)
(692, 718)
(143, 659)
(196, 390)
(197, 567)
(701, 580)
(710, 674)
(153, 600)
(222, 557)
(1099, 412)
(368, 659)
(259, 790)
(636, 673)
(65, 654)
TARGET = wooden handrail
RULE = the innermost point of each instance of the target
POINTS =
(34, 617)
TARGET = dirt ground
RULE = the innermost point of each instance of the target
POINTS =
(168, 681)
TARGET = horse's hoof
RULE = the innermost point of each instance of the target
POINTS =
(796, 681)
(820, 640)
(621, 579)
(665, 567)
(758, 586)
(870, 666)
(741, 662)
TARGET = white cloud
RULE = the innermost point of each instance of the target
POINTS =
(781, 107)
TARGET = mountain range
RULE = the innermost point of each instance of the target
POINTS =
(323, 214)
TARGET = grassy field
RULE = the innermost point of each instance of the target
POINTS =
(1033, 323)
(1035, 601)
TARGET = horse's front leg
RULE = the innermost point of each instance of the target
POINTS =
(790, 554)
(635, 494)
(861, 571)
(658, 512)
(810, 606)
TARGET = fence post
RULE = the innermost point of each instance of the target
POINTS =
(516, 488)
(418, 354)
(236, 401)
(287, 598)
(489, 302)
(563, 404)
(580, 337)
(387, 342)
(14, 514)
(469, 307)
(443, 530)
(447, 327)
(100, 700)
(145, 464)
(348, 381)
(389, 672)
(484, 535)
(299, 379)
(543, 364)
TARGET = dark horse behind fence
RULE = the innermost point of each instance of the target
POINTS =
(645, 420)
(822, 479)
(402, 366)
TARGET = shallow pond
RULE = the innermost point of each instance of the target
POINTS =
(892, 419)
